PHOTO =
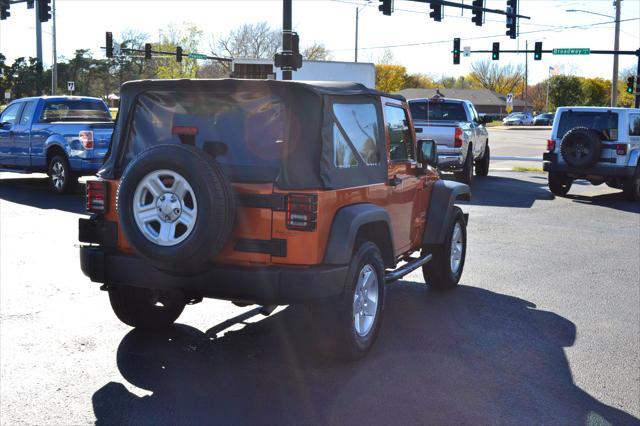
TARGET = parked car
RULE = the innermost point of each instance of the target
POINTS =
(63, 136)
(545, 119)
(518, 119)
(222, 192)
(599, 144)
(463, 140)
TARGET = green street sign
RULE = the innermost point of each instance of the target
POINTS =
(197, 56)
(572, 51)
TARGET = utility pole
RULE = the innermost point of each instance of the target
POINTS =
(286, 31)
(357, 16)
(38, 45)
(616, 46)
(54, 66)
(526, 73)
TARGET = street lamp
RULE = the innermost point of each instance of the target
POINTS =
(616, 45)
(357, 19)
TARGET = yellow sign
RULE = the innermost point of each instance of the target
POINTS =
(509, 108)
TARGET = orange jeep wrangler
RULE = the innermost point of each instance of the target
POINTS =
(269, 192)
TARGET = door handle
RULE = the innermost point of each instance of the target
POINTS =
(395, 181)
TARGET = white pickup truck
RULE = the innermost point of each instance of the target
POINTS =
(462, 139)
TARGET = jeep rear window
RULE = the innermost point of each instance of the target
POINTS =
(437, 111)
(606, 122)
(246, 130)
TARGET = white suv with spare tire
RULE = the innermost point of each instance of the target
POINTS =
(598, 144)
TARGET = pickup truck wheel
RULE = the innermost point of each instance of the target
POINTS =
(61, 180)
(559, 184)
(466, 175)
(145, 308)
(176, 208)
(482, 165)
(631, 186)
(347, 327)
(444, 270)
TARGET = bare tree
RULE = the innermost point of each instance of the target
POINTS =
(490, 75)
(316, 52)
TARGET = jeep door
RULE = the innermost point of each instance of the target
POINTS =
(403, 182)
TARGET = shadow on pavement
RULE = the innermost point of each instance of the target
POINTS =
(35, 192)
(614, 200)
(469, 356)
(500, 191)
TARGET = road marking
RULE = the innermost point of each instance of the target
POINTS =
(516, 158)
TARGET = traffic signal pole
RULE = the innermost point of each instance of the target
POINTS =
(637, 104)
(38, 45)
(286, 29)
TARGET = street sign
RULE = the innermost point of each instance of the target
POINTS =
(572, 51)
(71, 86)
(509, 103)
(466, 52)
(7, 94)
(197, 56)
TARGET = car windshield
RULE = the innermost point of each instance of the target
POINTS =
(604, 121)
(75, 110)
(437, 110)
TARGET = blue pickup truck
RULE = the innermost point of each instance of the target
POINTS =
(63, 136)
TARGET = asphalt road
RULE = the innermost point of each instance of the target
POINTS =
(517, 147)
(544, 329)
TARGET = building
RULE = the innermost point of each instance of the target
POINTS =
(486, 101)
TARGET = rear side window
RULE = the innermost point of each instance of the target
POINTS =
(400, 140)
(634, 124)
(75, 110)
(27, 112)
(360, 125)
(437, 110)
(605, 122)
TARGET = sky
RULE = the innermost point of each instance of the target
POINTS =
(416, 41)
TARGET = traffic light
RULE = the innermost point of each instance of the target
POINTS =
(477, 12)
(456, 51)
(630, 81)
(386, 7)
(109, 44)
(537, 53)
(495, 52)
(147, 50)
(436, 10)
(512, 9)
(178, 54)
(4, 9)
(44, 10)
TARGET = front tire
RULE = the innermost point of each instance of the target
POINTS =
(61, 180)
(145, 308)
(482, 165)
(631, 186)
(444, 270)
(559, 184)
(347, 327)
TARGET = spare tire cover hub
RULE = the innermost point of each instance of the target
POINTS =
(165, 207)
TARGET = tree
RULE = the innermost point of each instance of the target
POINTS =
(564, 90)
(418, 81)
(316, 52)
(188, 37)
(596, 92)
(390, 78)
(503, 80)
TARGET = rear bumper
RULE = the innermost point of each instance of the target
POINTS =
(550, 164)
(264, 285)
(449, 161)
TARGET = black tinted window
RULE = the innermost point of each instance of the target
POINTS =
(437, 110)
(75, 110)
(605, 122)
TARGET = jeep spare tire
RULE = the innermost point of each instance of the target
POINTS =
(176, 207)
(581, 147)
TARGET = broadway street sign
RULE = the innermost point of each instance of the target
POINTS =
(572, 51)
(197, 56)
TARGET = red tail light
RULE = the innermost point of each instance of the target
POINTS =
(302, 211)
(551, 145)
(97, 196)
(457, 138)
(86, 138)
(621, 149)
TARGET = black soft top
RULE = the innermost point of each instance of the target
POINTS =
(306, 99)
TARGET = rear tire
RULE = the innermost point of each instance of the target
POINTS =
(61, 180)
(631, 186)
(444, 270)
(559, 184)
(347, 327)
(466, 175)
(145, 308)
(482, 165)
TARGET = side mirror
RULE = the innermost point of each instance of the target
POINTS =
(5, 125)
(428, 152)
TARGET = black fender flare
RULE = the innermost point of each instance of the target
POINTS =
(443, 198)
(345, 227)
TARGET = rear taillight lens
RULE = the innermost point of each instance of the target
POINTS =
(551, 145)
(97, 196)
(302, 211)
(621, 149)
(86, 138)
(457, 138)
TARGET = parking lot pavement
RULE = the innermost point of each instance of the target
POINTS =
(544, 328)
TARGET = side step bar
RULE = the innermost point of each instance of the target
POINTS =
(406, 268)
